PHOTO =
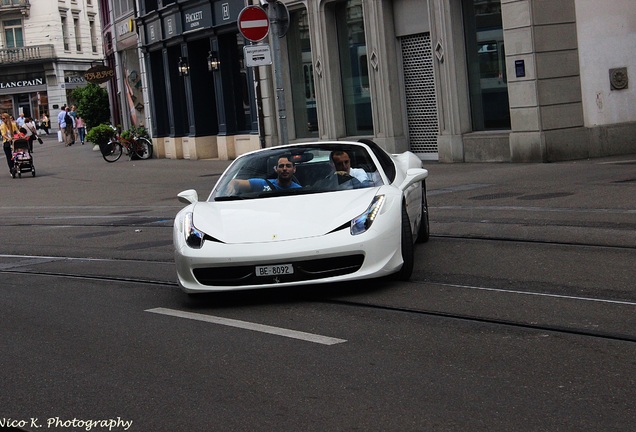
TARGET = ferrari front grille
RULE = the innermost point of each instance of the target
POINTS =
(303, 270)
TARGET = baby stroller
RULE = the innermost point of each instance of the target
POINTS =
(22, 159)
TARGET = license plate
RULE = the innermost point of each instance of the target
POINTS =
(274, 270)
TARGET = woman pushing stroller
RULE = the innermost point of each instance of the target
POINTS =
(8, 129)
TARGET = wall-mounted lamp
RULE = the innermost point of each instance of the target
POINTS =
(213, 61)
(183, 67)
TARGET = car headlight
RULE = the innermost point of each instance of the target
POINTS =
(363, 222)
(193, 237)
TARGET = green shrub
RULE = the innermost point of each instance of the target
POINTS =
(92, 104)
(100, 134)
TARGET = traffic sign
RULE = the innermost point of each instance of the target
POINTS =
(253, 23)
(257, 55)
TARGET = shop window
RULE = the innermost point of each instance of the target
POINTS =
(13, 33)
(302, 76)
(354, 72)
(6, 104)
(486, 59)
(242, 92)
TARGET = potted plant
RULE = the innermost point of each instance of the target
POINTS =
(100, 135)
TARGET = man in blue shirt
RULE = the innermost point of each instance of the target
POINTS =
(285, 170)
(20, 120)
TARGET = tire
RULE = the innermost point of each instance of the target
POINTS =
(33, 172)
(112, 151)
(424, 230)
(408, 252)
(144, 149)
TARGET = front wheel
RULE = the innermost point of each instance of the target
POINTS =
(424, 230)
(111, 151)
(408, 252)
(144, 149)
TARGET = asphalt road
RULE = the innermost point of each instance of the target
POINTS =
(519, 316)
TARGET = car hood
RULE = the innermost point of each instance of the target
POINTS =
(280, 218)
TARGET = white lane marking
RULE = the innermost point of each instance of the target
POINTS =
(628, 303)
(309, 337)
(26, 262)
(60, 258)
(459, 188)
(538, 209)
(618, 162)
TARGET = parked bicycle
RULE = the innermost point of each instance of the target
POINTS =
(130, 142)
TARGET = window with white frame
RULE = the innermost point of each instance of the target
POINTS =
(91, 24)
(122, 7)
(78, 33)
(65, 32)
(13, 35)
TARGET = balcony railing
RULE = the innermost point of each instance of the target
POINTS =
(10, 3)
(22, 6)
(27, 54)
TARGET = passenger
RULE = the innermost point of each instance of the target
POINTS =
(285, 170)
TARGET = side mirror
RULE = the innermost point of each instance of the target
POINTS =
(189, 196)
(413, 175)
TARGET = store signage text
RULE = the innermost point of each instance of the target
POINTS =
(197, 18)
(226, 12)
(24, 83)
(125, 27)
(192, 17)
(153, 32)
(99, 74)
(74, 80)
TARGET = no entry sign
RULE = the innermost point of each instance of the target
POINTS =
(253, 23)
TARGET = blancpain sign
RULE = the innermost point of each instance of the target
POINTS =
(23, 83)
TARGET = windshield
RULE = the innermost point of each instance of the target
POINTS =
(298, 170)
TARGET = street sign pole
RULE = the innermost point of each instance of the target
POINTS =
(278, 72)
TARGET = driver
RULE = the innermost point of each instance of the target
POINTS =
(342, 162)
(285, 170)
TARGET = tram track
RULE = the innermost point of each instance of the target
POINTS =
(531, 241)
(314, 297)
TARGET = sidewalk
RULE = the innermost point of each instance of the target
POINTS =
(585, 202)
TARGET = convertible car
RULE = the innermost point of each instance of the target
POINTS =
(303, 214)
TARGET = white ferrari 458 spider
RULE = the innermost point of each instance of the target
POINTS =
(304, 214)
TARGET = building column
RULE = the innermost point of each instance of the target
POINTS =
(450, 71)
(383, 57)
(544, 85)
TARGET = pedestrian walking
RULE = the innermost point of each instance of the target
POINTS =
(8, 128)
(67, 126)
(44, 123)
(81, 128)
(31, 132)
(20, 120)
